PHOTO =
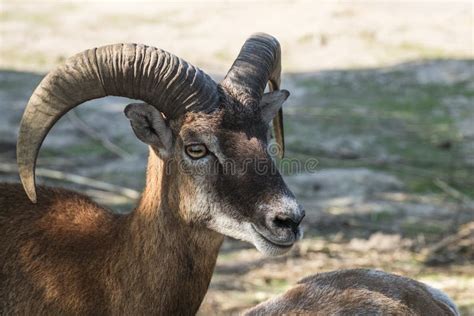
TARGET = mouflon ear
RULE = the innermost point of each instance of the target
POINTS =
(150, 127)
(271, 102)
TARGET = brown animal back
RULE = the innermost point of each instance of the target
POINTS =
(47, 247)
(355, 292)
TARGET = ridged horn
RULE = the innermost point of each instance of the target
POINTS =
(150, 74)
(258, 63)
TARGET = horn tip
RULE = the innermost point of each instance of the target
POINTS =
(281, 153)
(30, 191)
(32, 197)
(28, 181)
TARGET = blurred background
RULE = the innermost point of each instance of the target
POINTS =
(382, 94)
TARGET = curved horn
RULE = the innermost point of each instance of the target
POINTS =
(258, 63)
(135, 71)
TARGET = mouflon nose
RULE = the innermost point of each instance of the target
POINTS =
(290, 219)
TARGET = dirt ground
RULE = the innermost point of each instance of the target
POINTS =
(381, 95)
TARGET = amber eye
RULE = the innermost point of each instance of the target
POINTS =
(196, 151)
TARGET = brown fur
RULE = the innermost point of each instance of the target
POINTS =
(355, 292)
(67, 255)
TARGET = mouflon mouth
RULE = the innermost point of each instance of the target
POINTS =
(281, 244)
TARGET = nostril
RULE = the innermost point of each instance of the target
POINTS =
(289, 220)
(283, 221)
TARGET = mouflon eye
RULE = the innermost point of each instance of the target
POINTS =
(196, 151)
